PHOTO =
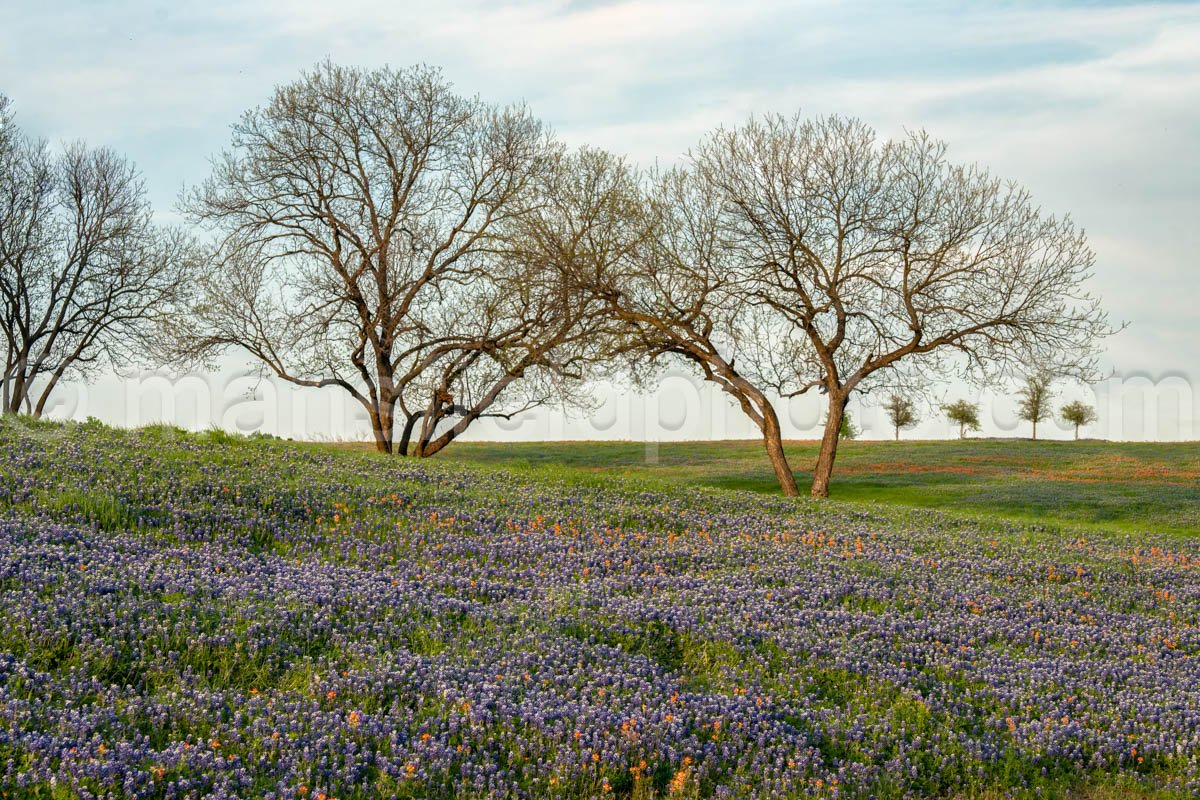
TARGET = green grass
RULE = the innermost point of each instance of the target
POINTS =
(1119, 486)
(153, 482)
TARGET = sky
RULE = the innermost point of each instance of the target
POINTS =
(1093, 106)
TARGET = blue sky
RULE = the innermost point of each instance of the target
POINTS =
(1095, 106)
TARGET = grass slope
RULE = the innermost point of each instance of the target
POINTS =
(193, 616)
(1122, 486)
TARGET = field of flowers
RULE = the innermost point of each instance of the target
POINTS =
(199, 616)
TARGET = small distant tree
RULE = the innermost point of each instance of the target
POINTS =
(901, 413)
(848, 430)
(965, 414)
(1034, 398)
(1078, 414)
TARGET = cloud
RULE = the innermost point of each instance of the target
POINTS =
(1093, 106)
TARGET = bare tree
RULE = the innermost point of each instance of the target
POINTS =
(1078, 413)
(86, 278)
(901, 413)
(884, 262)
(787, 256)
(965, 414)
(364, 221)
(534, 340)
(648, 248)
(1034, 397)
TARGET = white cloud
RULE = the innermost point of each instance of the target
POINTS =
(1095, 108)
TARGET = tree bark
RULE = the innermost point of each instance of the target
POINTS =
(19, 391)
(759, 409)
(429, 422)
(7, 380)
(773, 441)
(381, 426)
(829, 444)
(406, 436)
(53, 382)
(40, 408)
(1035, 430)
(430, 446)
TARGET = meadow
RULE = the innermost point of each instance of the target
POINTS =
(193, 616)
(1090, 484)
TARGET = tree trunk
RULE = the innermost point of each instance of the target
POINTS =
(1077, 433)
(756, 407)
(429, 421)
(381, 426)
(41, 403)
(428, 428)
(773, 441)
(387, 421)
(759, 409)
(406, 436)
(45, 395)
(18, 393)
(1035, 430)
(829, 443)
(962, 430)
(430, 446)
(897, 433)
(57, 376)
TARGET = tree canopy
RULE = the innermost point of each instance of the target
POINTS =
(87, 279)
(901, 412)
(791, 255)
(964, 414)
(1078, 414)
(1035, 396)
(369, 224)
(441, 259)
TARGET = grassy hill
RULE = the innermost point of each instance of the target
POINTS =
(1128, 486)
(194, 616)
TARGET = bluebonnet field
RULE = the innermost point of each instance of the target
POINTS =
(198, 616)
